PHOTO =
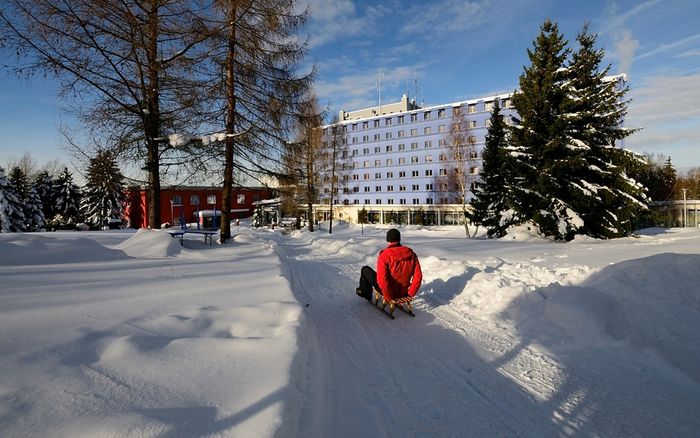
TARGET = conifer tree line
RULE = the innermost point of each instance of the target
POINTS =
(54, 202)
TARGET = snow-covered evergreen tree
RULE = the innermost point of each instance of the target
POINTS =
(593, 178)
(103, 194)
(490, 203)
(8, 200)
(45, 189)
(258, 217)
(67, 207)
(538, 141)
(18, 187)
(33, 215)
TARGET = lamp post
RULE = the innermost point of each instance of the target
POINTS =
(685, 210)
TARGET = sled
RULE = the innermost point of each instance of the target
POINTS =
(403, 304)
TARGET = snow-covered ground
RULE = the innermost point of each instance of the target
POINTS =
(127, 333)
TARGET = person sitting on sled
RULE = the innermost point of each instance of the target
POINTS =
(398, 271)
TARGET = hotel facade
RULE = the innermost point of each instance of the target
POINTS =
(396, 163)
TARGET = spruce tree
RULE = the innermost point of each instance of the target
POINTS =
(593, 177)
(44, 186)
(103, 194)
(491, 203)
(8, 202)
(67, 212)
(537, 139)
(33, 212)
(19, 188)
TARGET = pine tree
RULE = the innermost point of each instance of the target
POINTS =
(103, 194)
(19, 188)
(491, 203)
(33, 212)
(593, 179)
(8, 201)
(67, 211)
(44, 186)
(537, 139)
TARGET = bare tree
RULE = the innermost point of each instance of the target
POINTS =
(251, 82)
(125, 62)
(331, 165)
(462, 155)
(300, 181)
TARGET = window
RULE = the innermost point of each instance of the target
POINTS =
(414, 117)
(355, 151)
(456, 110)
(414, 132)
(415, 187)
(442, 142)
(390, 174)
(355, 177)
(376, 123)
(366, 201)
(506, 103)
(488, 106)
(414, 145)
(416, 201)
(487, 123)
(472, 123)
(429, 201)
(429, 172)
(471, 139)
(365, 163)
(399, 120)
(400, 134)
(387, 121)
(443, 157)
(367, 188)
(211, 199)
(365, 125)
(366, 176)
(414, 160)
(389, 188)
(426, 115)
(377, 188)
(474, 170)
(354, 126)
(443, 172)
(365, 138)
(442, 128)
(354, 139)
(377, 163)
(428, 144)
(473, 154)
(194, 200)
(355, 189)
(402, 201)
(402, 188)
(387, 135)
(441, 113)
(176, 200)
(414, 173)
(388, 148)
(356, 201)
(402, 147)
(389, 162)
(377, 149)
(402, 174)
(390, 201)
(472, 108)
(428, 158)
(377, 201)
(427, 130)
(378, 175)
(377, 137)
(402, 160)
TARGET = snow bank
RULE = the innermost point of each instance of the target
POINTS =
(151, 244)
(35, 249)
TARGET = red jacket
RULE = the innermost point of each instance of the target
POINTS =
(398, 271)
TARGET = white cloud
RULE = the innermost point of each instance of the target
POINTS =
(332, 20)
(625, 47)
(445, 16)
(667, 110)
(689, 54)
(670, 46)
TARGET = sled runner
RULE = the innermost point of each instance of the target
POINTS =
(403, 304)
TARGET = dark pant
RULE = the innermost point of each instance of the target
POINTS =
(368, 280)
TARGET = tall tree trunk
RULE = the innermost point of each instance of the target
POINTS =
(225, 229)
(152, 118)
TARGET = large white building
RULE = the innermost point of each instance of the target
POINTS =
(393, 161)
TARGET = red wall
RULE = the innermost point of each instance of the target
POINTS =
(137, 210)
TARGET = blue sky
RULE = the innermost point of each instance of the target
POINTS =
(448, 50)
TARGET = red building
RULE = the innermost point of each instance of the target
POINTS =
(194, 204)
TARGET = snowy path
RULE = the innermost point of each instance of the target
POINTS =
(444, 374)
(365, 375)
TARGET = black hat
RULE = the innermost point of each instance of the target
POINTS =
(393, 235)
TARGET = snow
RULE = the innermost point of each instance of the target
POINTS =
(124, 333)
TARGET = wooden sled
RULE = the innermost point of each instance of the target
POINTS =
(403, 304)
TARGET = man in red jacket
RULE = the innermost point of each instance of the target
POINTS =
(398, 271)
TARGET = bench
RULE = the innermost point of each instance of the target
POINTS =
(180, 235)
